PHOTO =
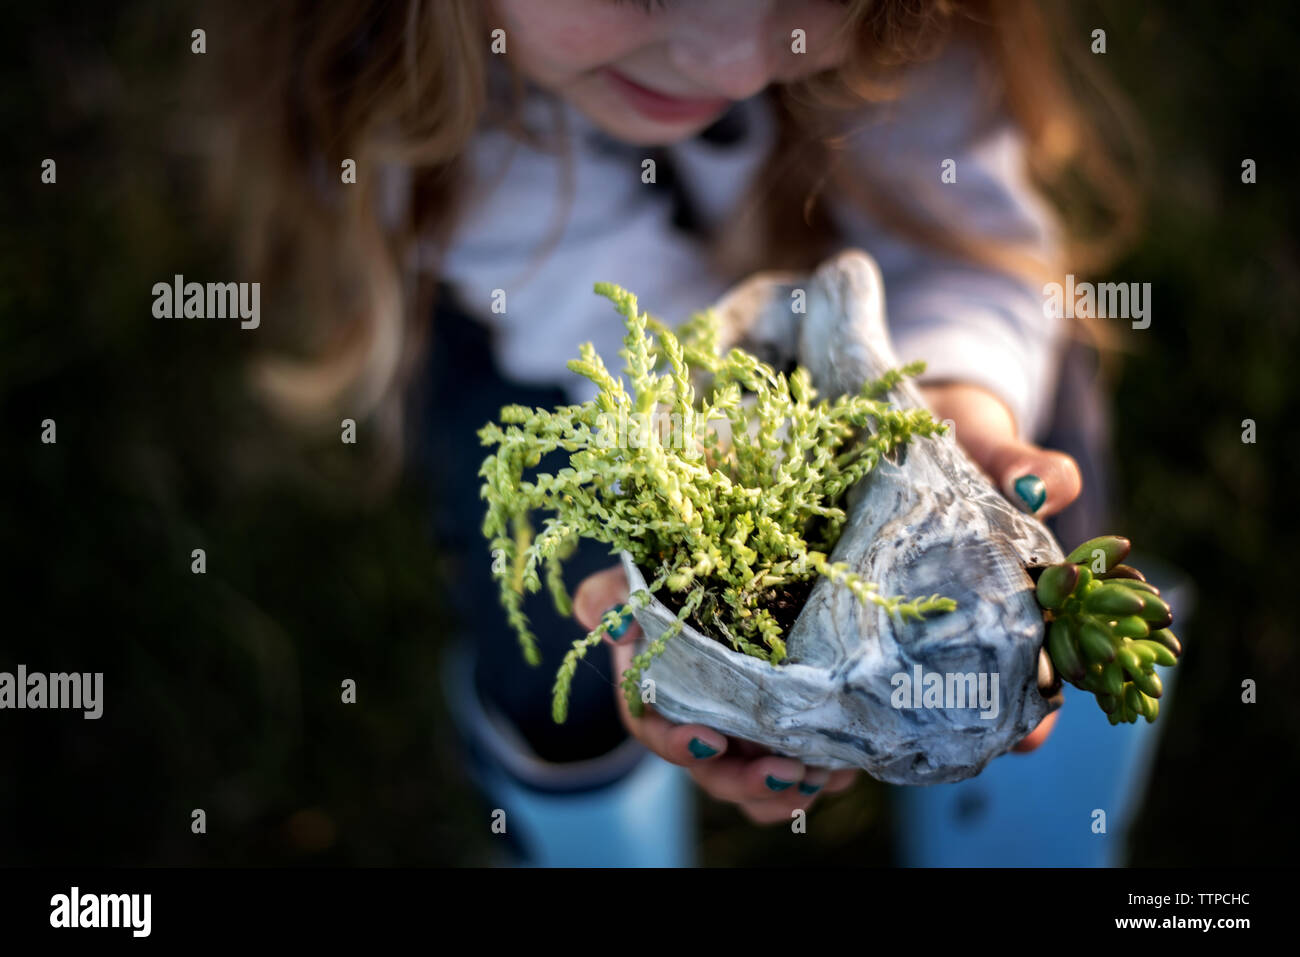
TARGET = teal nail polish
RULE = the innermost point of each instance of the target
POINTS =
(621, 628)
(701, 750)
(1032, 492)
(809, 788)
(776, 784)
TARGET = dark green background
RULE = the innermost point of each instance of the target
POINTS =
(225, 687)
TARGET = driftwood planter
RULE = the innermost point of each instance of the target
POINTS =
(928, 523)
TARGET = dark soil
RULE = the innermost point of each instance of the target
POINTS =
(784, 603)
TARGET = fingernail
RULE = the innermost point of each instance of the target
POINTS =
(776, 784)
(806, 788)
(1031, 491)
(621, 628)
(701, 750)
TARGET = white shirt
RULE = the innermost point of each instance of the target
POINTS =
(969, 323)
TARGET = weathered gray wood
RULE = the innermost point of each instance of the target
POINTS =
(928, 523)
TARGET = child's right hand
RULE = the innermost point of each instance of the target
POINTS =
(767, 788)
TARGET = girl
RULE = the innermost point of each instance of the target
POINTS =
(484, 163)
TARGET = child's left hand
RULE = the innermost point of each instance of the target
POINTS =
(1036, 480)
(767, 788)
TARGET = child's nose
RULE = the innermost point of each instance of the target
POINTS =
(729, 49)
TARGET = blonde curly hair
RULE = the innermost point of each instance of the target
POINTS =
(307, 84)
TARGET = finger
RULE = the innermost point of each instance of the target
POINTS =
(840, 781)
(600, 593)
(625, 633)
(748, 749)
(738, 779)
(1036, 737)
(768, 812)
(1038, 481)
(597, 593)
(689, 745)
(813, 783)
(782, 807)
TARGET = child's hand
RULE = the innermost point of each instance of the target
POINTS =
(766, 787)
(1036, 737)
(1036, 480)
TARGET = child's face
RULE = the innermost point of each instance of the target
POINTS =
(652, 72)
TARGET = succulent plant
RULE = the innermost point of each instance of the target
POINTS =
(725, 501)
(1108, 628)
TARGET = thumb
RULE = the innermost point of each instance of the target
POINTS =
(1038, 481)
(1035, 738)
(599, 593)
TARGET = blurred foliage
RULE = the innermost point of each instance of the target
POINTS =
(1213, 87)
(223, 690)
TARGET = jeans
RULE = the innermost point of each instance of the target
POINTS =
(462, 392)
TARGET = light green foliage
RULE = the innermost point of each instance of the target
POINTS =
(720, 523)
